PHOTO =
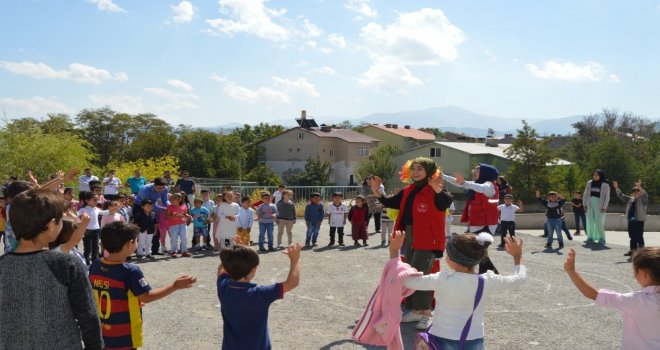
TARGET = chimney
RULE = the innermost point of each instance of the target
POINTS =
(303, 114)
(395, 126)
(406, 126)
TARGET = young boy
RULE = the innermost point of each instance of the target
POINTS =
(578, 212)
(147, 221)
(314, 215)
(553, 213)
(209, 204)
(508, 212)
(358, 216)
(266, 214)
(121, 288)
(636, 204)
(286, 217)
(387, 226)
(200, 224)
(336, 213)
(245, 220)
(57, 297)
(244, 305)
(279, 194)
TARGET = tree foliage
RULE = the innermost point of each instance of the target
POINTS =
(263, 175)
(379, 163)
(315, 173)
(150, 168)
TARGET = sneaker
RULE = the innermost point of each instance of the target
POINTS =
(365, 244)
(174, 255)
(543, 236)
(377, 231)
(331, 244)
(307, 244)
(577, 233)
(410, 316)
(314, 244)
(150, 257)
(589, 240)
(279, 246)
(424, 323)
(208, 246)
(357, 244)
(163, 249)
(561, 245)
(341, 244)
(570, 238)
(271, 249)
(382, 243)
(628, 254)
(548, 245)
(185, 255)
(197, 247)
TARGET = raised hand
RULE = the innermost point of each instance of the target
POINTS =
(376, 181)
(569, 265)
(460, 179)
(436, 183)
(184, 282)
(396, 242)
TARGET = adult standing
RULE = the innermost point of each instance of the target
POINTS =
(636, 205)
(83, 180)
(169, 181)
(374, 206)
(422, 207)
(595, 199)
(157, 193)
(111, 185)
(187, 185)
(503, 187)
(136, 182)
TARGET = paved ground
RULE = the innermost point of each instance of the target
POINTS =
(547, 313)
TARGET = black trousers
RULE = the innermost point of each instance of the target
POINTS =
(155, 243)
(91, 245)
(636, 234)
(486, 264)
(507, 226)
(376, 217)
(340, 235)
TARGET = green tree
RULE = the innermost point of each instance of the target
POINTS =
(435, 131)
(197, 151)
(529, 154)
(150, 168)
(250, 136)
(315, 173)
(379, 163)
(263, 175)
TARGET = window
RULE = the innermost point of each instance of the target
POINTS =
(435, 152)
(301, 135)
(332, 153)
(363, 151)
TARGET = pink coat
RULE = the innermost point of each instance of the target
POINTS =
(380, 322)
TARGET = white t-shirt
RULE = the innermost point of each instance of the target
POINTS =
(507, 212)
(83, 182)
(112, 187)
(337, 214)
(277, 196)
(454, 294)
(94, 215)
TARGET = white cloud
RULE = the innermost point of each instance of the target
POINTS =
(176, 100)
(489, 53)
(36, 106)
(107, 5)
(569, 71)
(362, 7)
(325, 70)
(261, 95)
(298, 85)
(76, 71)
(389, 75)
(180, 84)
(121, 103)
(183, 12)
(251, 17)
(310, 29)
(337, 40)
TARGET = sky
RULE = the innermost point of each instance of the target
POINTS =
(210, 63)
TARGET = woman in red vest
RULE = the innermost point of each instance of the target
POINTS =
(480, 212)
(422, 207)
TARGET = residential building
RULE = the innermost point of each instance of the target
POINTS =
(342, 148)
(403, 137)
(449, 136)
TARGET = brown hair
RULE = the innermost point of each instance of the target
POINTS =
(31, 211)
(470, 247)
(239, 261)
(68, 226)
(647, 258)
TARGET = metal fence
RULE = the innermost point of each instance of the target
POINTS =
(299, 192)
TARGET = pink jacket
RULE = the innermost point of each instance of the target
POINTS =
(379, 324)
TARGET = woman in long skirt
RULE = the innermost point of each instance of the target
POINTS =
(595, 199)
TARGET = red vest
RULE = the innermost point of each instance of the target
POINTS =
(482, 210)
(428, 221)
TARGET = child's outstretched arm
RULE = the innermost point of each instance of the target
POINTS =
(292, 281)
(396, 242)
(514, 248)
(180, 283)
(585, 288)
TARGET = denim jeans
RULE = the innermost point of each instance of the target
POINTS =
(578, 217)
(554, 226)
(312, 232)
(266, 228)
(178, 232)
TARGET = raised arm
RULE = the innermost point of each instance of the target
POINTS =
(582, 285)
(292, 281)
(159, 293)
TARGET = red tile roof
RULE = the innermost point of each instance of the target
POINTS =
(412, 132)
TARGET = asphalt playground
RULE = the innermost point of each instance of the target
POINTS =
(336, 283)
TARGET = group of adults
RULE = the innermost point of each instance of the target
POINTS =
(112, 184)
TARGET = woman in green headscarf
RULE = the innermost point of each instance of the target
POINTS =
(422, 205)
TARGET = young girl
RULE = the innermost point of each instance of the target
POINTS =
(641, 310)
(113, 214)
(455, 288)
(69, 237)
(163, 224)
(358, 215)
(91, 240)
(177, 216)
(226, 213)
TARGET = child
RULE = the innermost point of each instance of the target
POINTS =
(121, 288)
(113, 214)
(508, 212)
(209, 204)
(553, 213)
(578, 212)
(147, 221)
(91, 238)
(98, 191)
(336, 213)
(358, 218)
(69, 237)
(245, 220)
(244, 305)
(635, 212)
(387, 226)
(266, 214)
(163, 224)
(123, 209)
(449, 219)
(200, 217)
(43, 288)
(313, 218)
(177, 216)
(286, 217)
(226, 213)
(640, 309)
(215, 220)
(73, 205)
(279, 194)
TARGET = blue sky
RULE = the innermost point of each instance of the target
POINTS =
(207, 63)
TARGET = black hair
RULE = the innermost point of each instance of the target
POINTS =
(146, 201)
(115, 235)
(315, 194)
(338, 194)
(245, 198)
(86, 196)
(239, 261)
(94, 183)
(68, 189)
(17, 187)
(32, 210)
(205, 191)
(159, 181)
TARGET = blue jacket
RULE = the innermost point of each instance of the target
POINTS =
(314, 212)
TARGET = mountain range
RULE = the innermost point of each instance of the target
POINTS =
(447, 118)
